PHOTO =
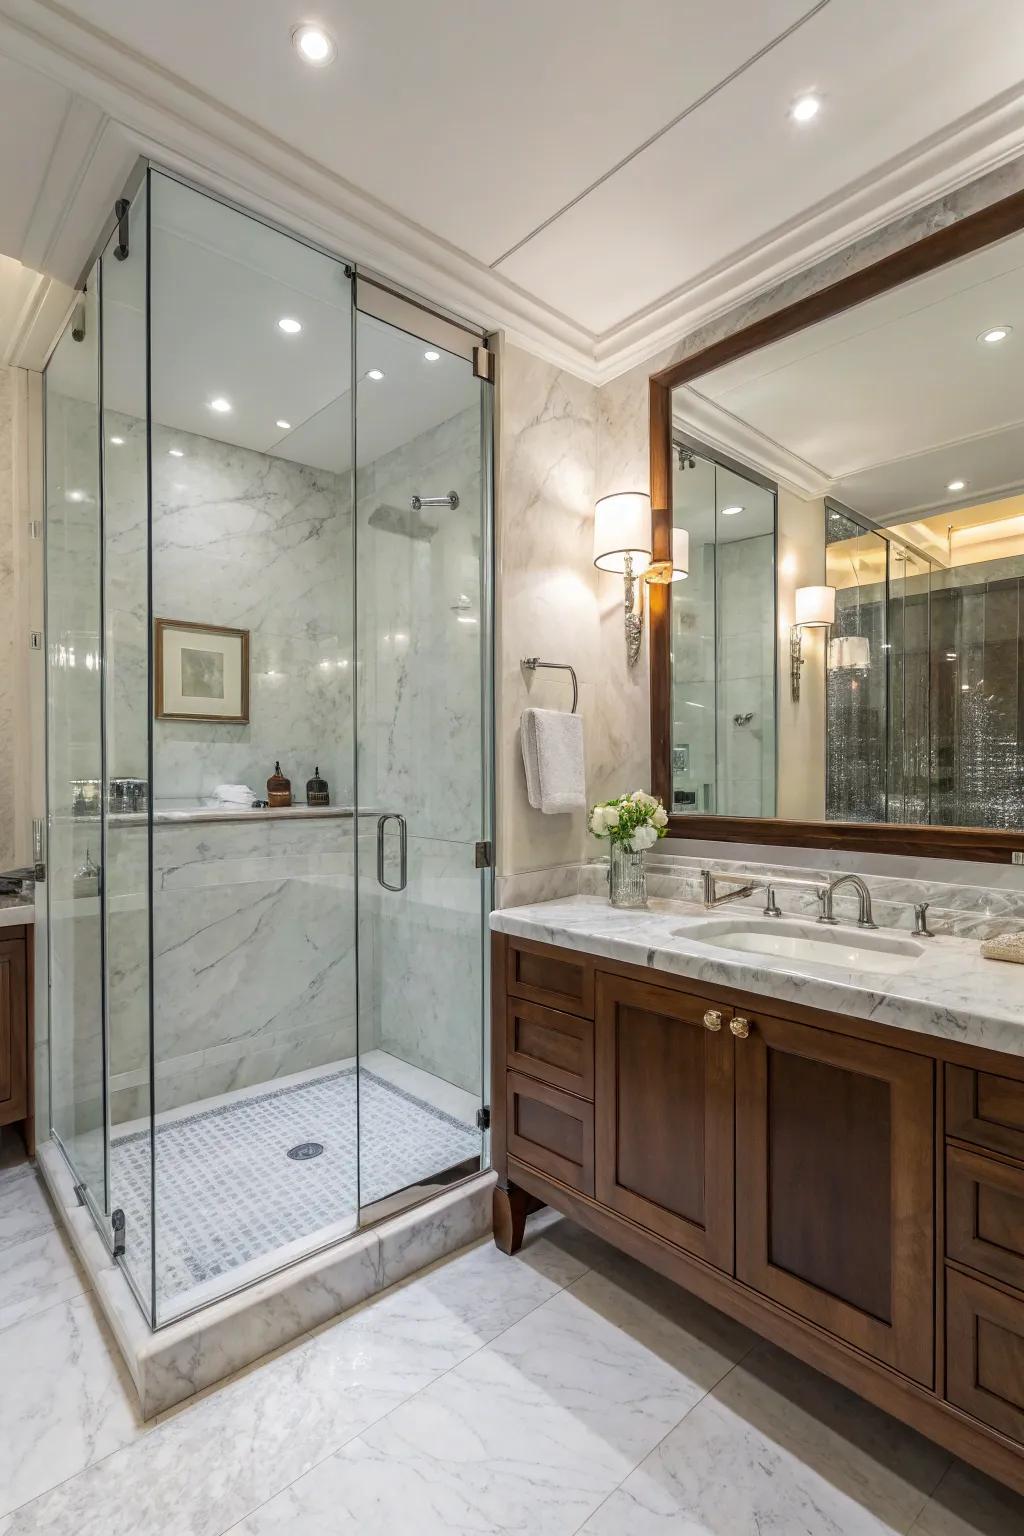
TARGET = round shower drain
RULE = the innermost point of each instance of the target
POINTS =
(306, 1150)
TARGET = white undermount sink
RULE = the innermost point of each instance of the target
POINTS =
(848, 949)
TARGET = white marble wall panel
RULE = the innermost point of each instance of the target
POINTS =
(253, 957)
(8, 700)
(552, 603)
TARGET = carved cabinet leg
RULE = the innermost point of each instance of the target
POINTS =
(511, 1207)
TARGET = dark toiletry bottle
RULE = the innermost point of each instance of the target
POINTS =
(279, 789)
(317, 792)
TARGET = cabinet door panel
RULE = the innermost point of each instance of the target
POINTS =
(835, 1186)
(13, 1031)
(663, 1100)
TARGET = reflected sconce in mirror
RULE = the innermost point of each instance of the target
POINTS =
(814, 608)
(661, 572)
(622, 543)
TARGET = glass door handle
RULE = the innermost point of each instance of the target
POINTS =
(403, 851)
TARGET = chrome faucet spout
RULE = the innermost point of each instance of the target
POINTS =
(711, 896)
(865, 919)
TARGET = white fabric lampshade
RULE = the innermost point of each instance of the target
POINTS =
(680, 554)
(622, 526)
(815, 606)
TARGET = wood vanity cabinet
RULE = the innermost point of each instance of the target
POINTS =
(851, 1191)
(15, 1032)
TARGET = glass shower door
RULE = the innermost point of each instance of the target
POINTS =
(422, 556)
(75, 766)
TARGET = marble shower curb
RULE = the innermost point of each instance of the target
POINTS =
(174, 1363)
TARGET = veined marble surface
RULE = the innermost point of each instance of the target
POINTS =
(15, 911)
(951, 992)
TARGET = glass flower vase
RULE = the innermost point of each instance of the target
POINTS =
(627, 877)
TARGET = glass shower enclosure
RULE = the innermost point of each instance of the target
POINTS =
(268, 557)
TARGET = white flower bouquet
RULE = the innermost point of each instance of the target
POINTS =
(636, 821)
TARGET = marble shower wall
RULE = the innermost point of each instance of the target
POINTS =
(420, 745)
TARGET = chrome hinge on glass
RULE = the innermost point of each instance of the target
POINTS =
(483, 1118)
(484, 858)
(38, 856)
(118, 1224)
(483, 365)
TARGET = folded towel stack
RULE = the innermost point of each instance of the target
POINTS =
(233, 794)
(553, 759)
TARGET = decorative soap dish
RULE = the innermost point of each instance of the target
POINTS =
(1005, 946)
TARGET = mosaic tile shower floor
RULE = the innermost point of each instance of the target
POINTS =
(228, 1193)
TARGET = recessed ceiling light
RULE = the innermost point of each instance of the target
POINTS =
(955, 485)
(220, 404)
(118, 442)
(731, 511)
(431, 357)
(285, 426)
(805, 108)
(175, 453)
(289, 326)
(996, 334)
(313, 44)
(374, 373)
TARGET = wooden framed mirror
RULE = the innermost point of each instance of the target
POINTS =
(854, 461)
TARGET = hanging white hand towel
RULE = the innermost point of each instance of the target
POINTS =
(553, 758)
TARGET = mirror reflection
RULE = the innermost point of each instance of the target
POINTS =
(849, 643)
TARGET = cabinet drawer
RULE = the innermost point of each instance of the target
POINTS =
(556, 1047)
(551, 1130)
(985, 1215)
(985, 1109)
(985, 1353)
(557, 978)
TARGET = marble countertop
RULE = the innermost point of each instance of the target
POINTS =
(951, 992)
(16, 911)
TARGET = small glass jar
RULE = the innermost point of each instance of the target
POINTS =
(627, 877)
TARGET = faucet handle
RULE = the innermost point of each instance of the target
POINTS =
(824, 899)
(921, 929)
(771, 905)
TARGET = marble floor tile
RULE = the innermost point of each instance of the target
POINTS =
(218, 1456)
(966, 1503)
(24, 1208)
(532, 1431)
(777, 1450)
(35, 1273)
(66, 1400)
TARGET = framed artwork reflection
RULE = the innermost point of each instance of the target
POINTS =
(202, 672)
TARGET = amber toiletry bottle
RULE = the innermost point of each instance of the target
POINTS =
(279, 789)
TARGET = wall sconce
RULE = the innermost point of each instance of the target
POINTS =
(814, 608)
(622, 543)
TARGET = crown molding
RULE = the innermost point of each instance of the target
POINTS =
(719, 428)
(44, 311)
(130, 106)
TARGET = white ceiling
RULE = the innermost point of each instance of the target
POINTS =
(884, 405)
(588, 175)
